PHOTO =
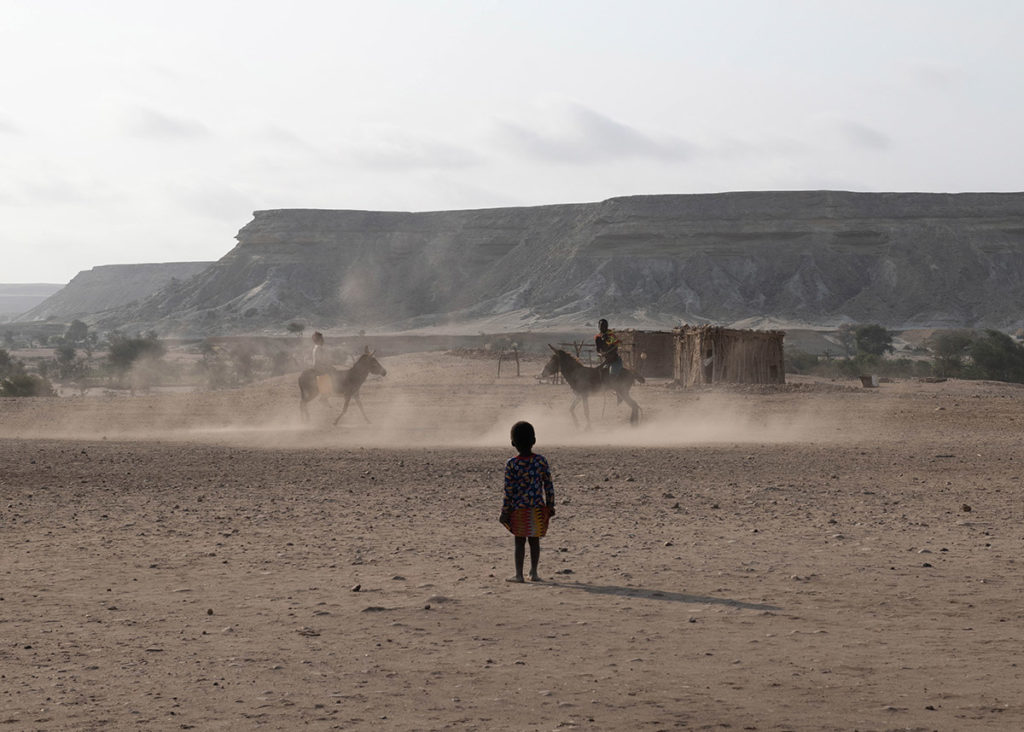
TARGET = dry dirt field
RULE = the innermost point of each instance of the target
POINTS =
(815, 557)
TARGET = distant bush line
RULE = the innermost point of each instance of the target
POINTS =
(963, 354)
(83, 360)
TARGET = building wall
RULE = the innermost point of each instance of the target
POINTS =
(713, 355)
(659, 347)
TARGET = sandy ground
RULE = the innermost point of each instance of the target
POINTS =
(817, 557)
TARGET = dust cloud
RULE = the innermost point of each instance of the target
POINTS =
(429, 400)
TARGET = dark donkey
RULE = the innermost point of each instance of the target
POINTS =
(587, 381)
(345, 383)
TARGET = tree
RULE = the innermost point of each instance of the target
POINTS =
(67, 366)
(998, 357)
(8, 366)
(873, 340)
(26, 385)
(846, 338)
(77, 332)
(125, 352)
(296, 328)
(951, 348)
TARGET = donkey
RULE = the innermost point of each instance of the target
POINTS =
(346, 383)
(586, 381)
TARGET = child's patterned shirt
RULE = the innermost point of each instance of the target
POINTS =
(528, 483)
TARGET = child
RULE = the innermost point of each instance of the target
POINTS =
(529, 498)
(322, 368)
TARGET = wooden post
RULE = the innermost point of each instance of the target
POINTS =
(503, 355)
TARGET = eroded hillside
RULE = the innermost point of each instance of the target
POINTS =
(813, 258)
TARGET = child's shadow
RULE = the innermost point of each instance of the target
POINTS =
(658, 595)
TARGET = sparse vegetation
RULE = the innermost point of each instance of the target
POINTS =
(872, 340)
(996, 356)
(8, 365)
(77, 332)
(138, 355)
(951, 351)
(26, 385)
(959, 353)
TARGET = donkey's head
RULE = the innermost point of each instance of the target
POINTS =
(371, 364)
(559, 359)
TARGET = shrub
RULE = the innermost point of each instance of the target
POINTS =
(800, 362)
(26, 385)
(996, 356)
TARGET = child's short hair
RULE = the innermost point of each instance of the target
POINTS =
(523, 434)
(318, 337)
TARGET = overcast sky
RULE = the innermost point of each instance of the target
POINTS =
(145, 131)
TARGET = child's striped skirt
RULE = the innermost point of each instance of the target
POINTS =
(528, 521)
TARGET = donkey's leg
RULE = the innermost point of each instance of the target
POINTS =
(634, 415)
(586, 409)
(360, 405)
(572, 409)
(343, 410)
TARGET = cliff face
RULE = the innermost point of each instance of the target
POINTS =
(815, 258)
(110, 286)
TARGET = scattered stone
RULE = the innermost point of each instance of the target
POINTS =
(965, 508)
(209, 611)
(309, 632)
(356, 588)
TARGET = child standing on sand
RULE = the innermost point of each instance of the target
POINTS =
(529, 498)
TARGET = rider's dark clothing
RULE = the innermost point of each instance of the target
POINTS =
(607, 346)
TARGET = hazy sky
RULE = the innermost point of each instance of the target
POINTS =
(146, 131)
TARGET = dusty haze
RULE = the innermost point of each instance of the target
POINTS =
(816, 556)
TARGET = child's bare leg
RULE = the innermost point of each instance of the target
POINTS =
(520, 556)
(534, 558)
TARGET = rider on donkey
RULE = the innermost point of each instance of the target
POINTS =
(607, 345)
(322, 366)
